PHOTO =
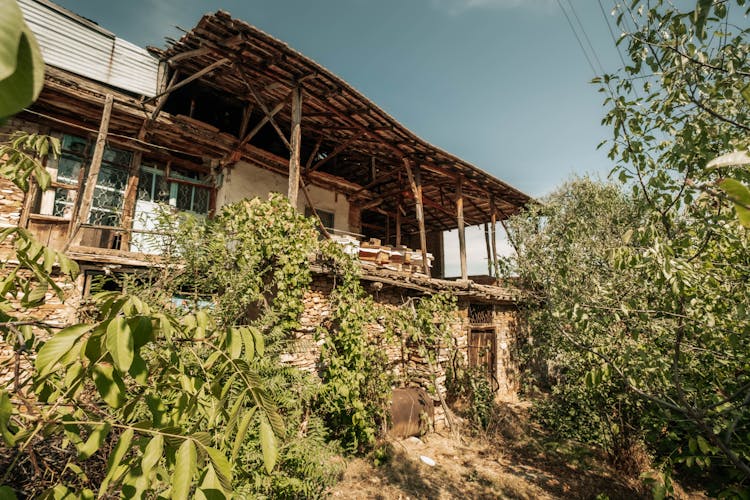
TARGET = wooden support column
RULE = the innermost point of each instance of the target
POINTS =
(461, 229)
(489, 250)
(493, 221)
(398, 224)
(87, 195)
(294, 142)
(415, 181)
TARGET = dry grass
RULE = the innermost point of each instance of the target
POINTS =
(512, 462)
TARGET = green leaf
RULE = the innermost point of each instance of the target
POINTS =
(139, 370)
(94, 441)
(122, 447)
(739, 194)
(268, 445)
(119, 342)
(239, 438)
(702, 10)
(109, 384)
(746, 93)
(21, 64)
(703, 445)
(56, 347)
(247, 339)
(222, 468)
(234, 342)
(152, 454)
(7, 493)
(6, 410)
(259, 342)
(184, 468)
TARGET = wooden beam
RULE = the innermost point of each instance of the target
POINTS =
(194, 76)
(246, 113)
(314, 152)
(415, 181)
(189, 54)
(461, 229)
(260, 102)
(398, 225)
(487, 244)
(380, 180)
(161, 101)
(268, 117)
(87, 196)
(336, 151)
(295, 141)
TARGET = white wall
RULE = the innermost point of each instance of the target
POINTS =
(245, 180)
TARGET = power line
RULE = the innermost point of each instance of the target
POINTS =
(586, 36)
(578, 39)
(612, 33)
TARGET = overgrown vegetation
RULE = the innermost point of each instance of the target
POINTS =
(642, 297)
(176, 382)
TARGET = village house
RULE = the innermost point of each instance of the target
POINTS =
(228, 112)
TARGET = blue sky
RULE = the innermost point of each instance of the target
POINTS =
(500, 83)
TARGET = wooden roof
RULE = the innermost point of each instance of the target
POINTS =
(369, 145)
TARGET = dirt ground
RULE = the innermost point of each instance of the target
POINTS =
(516, 462)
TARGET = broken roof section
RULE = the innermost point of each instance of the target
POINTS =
(368, 146)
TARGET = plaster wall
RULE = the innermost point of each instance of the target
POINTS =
(246, 180)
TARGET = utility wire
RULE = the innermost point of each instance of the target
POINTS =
(612, 33)
(578, 39)
(586, 37)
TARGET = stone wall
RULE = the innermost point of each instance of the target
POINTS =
(508, 329)
(409, 367)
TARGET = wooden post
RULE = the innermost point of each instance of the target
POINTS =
(415, 181)
(489, 251)
(398, 224)
(461, 229)
(295, 140)
(87, 196)
(493, 221)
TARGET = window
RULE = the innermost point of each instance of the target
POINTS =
(184, 190)
(109, 193)
(67, 174)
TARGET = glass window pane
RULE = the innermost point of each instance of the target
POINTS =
(69, 168)
(64, 201)
(145, 186)
(200, 200)
(184, 197)
(73, 144)
(106, 207)
(116, 156)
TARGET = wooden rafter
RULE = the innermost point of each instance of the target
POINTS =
(336, 151)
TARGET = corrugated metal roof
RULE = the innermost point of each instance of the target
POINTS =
(75, 44)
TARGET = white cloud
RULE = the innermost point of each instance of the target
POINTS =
(454, 7)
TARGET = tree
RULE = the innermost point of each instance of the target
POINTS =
(657, 318)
